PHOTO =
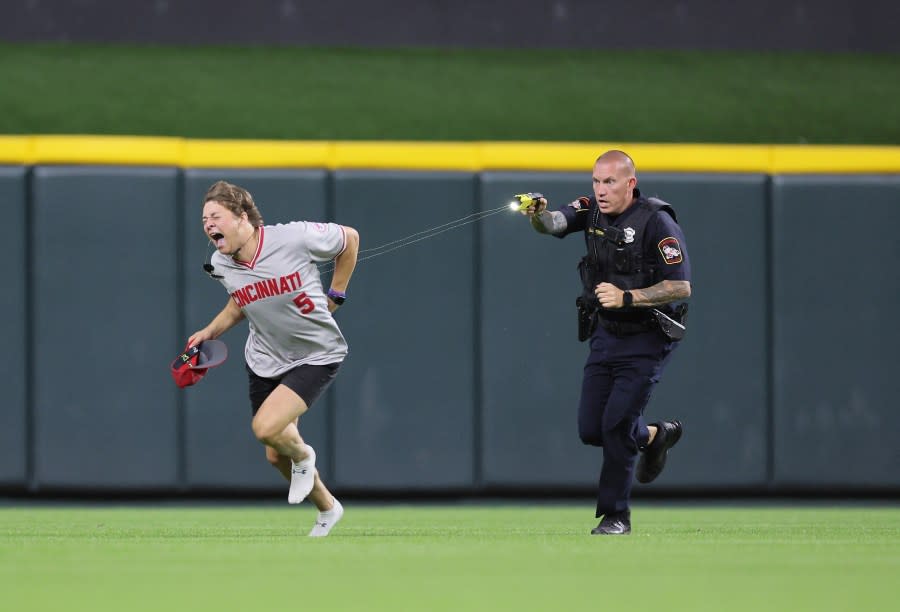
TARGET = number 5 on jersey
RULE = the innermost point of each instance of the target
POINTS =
(303, 302)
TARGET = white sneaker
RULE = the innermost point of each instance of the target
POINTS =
(326, 520)
(303, 477)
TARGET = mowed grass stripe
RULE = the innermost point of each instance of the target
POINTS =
(448, 558)
(450, 95)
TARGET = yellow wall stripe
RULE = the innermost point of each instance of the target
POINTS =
(255, 154)
(836, 160)
(384, 155)
(648, 157)
(466, 156)
(116, 150)
(15, 149)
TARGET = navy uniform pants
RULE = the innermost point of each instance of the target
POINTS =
(618, 377)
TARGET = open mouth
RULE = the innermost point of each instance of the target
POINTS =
(217, 238)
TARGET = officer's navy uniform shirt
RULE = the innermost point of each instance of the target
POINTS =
(663, 239)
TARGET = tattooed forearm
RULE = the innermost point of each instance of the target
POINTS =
(662, 293)
(549, 222)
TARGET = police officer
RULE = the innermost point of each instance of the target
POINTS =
(635, 274)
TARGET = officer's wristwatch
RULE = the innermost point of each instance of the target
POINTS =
(627, 299)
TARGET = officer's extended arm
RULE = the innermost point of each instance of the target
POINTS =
(546, 221)
(549, 222)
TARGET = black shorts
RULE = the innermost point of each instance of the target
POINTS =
(307, 381)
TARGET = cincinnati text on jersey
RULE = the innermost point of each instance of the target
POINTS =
(266, 288)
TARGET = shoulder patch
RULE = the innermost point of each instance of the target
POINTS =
(670, 250)
(319, 226)
(582, 204)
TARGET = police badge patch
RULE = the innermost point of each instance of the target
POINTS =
(581, 204)
(670, 250)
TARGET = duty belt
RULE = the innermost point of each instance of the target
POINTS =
(626, 328)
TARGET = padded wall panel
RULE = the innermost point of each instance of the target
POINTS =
(105, 304)
(531, 358)
(13, 424)
(836, 292)
(405, 397)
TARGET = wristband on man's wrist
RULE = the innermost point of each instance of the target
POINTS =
(338, 297)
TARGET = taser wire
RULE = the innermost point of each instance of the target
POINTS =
(419, 236)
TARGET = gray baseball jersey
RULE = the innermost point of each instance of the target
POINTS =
(281, 294)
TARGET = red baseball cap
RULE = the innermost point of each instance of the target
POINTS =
(189, 367)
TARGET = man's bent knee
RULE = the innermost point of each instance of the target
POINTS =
(591, 437)
(266, 432)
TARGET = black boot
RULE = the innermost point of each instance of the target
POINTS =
(617, 523)
(653, 459)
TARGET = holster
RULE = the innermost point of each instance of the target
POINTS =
(587, 319)
(586, 303)
(672, 327)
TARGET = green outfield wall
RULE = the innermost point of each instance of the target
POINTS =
(464, 369)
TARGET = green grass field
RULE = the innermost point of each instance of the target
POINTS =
(421, 94)
(448, 557)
